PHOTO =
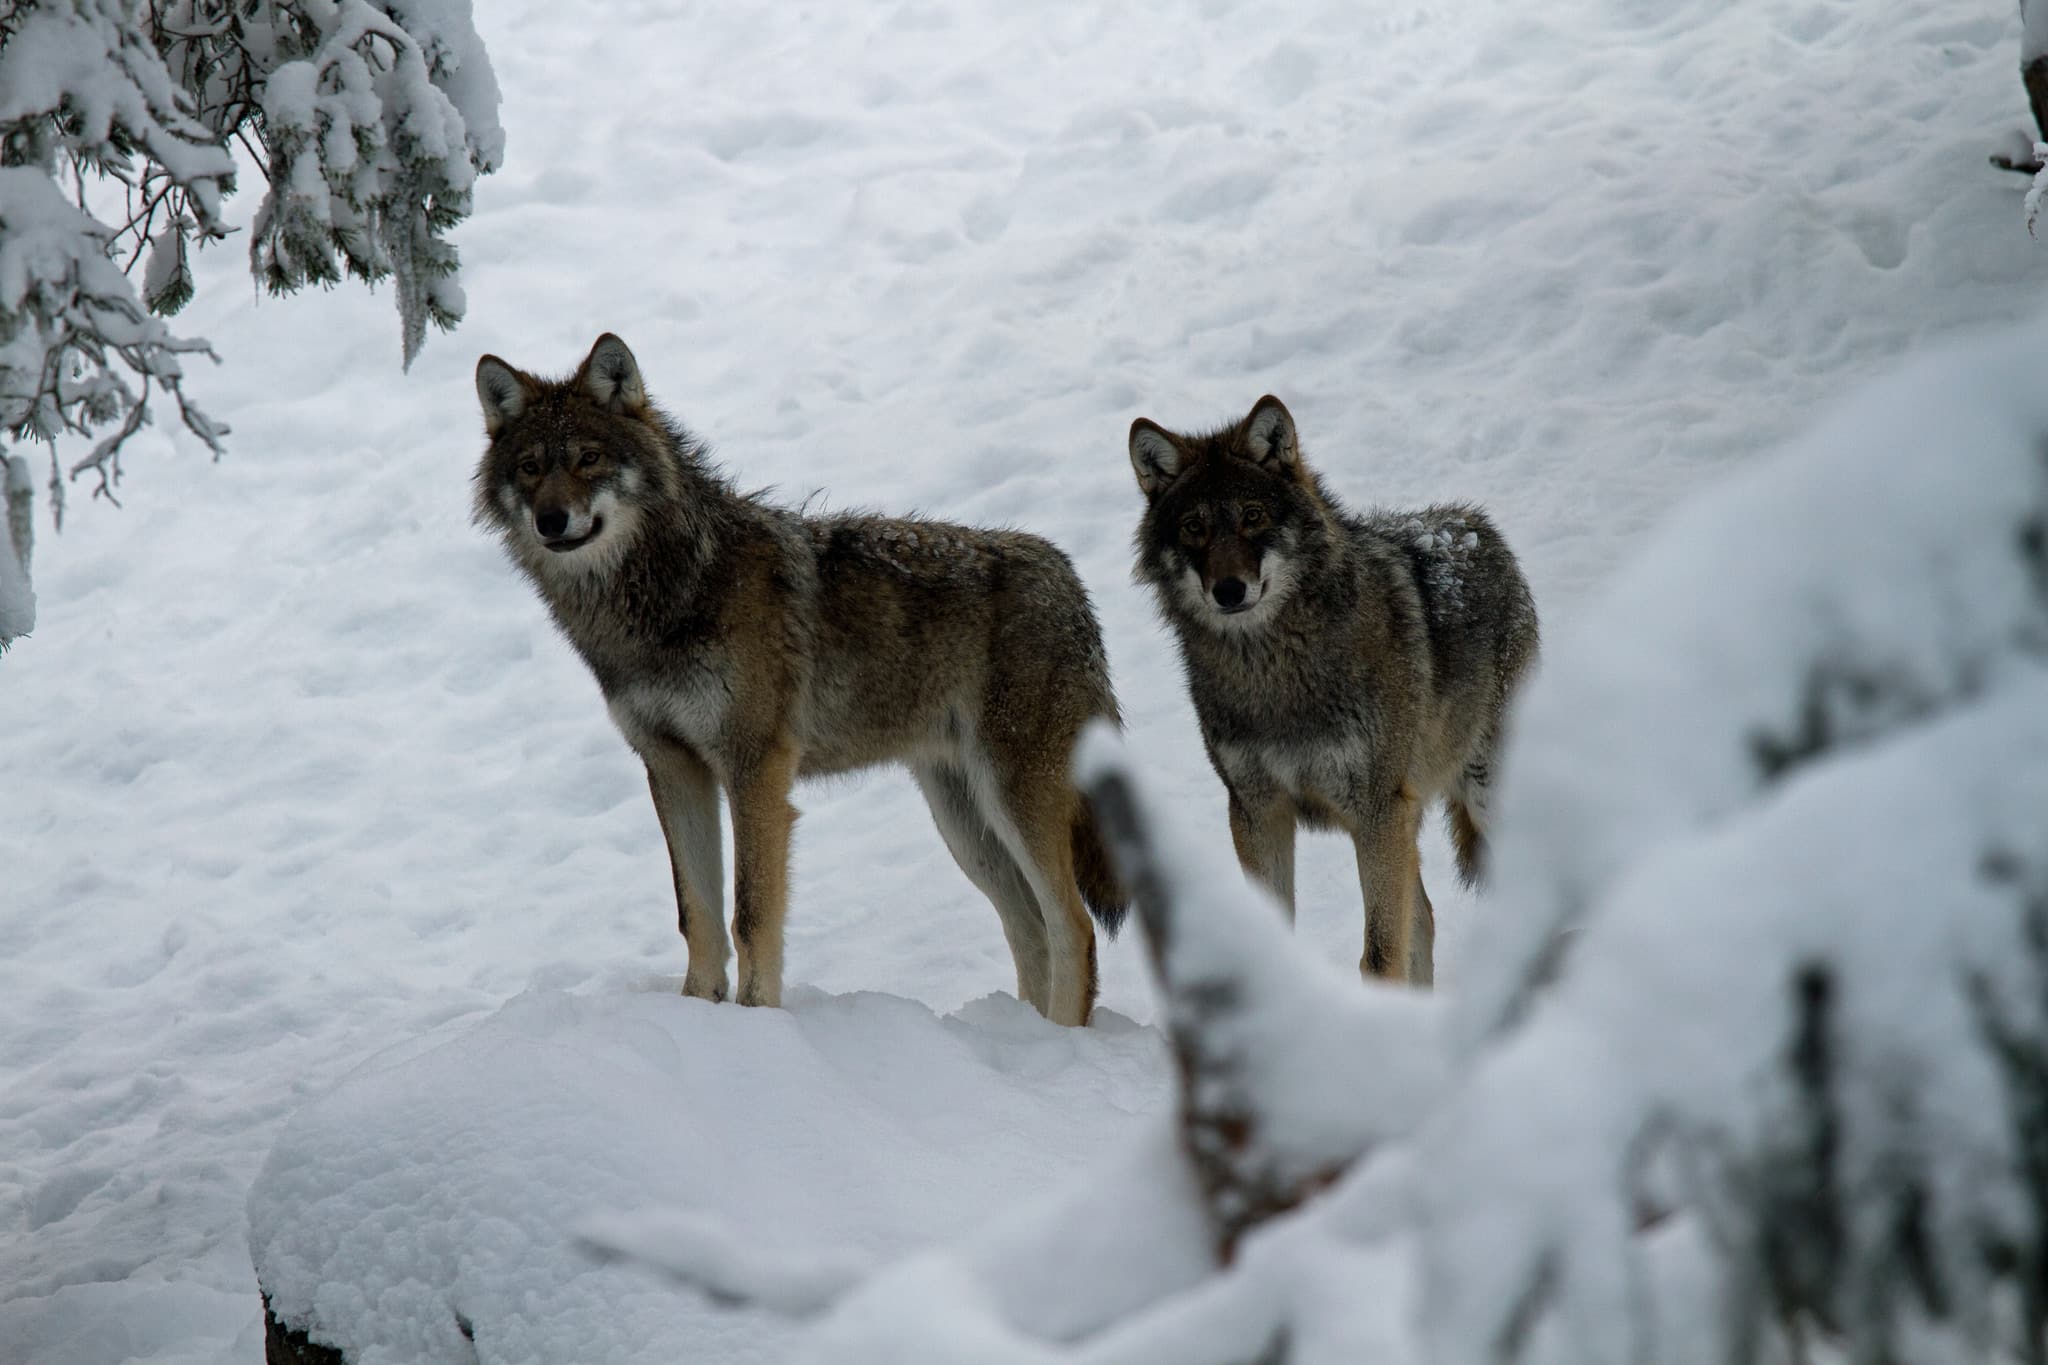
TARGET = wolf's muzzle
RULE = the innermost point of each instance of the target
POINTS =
(562, 544)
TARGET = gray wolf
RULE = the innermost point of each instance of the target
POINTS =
(740, 646)
(1346, 670)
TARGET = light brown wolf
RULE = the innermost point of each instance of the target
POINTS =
(741, 645)
(1346, 670)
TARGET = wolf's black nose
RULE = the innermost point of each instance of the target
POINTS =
(1229, 592)
(554, 521)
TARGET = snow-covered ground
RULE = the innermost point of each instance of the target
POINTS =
(294, 771)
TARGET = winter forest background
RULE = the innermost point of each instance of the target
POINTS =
(335, 938)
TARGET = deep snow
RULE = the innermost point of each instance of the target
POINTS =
(294, 771)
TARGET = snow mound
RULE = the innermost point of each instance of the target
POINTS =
(427, 1209)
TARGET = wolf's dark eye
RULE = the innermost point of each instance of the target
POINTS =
(590, 458)
(530, 468)
(1252, 518)
(1191, 527)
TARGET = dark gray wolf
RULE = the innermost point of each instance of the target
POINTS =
(1346, 670)
(740, 646)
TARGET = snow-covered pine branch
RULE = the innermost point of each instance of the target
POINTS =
(376, 121)
(85, 97)
(1274, 1050)
(370, 118)
(1752, 1049)
(1751, 1038)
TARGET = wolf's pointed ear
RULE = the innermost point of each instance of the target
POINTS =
(1156, 455)
(502, 390)
(1269, 435)
(611, 376)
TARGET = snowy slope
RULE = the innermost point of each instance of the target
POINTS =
(294, 770)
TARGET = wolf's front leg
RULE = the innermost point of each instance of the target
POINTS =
(686, 803)
(762, 819)
(1390, 873)
(1262, 830)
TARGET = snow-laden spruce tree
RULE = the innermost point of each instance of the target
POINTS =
(368, 119)
(1748, 1061)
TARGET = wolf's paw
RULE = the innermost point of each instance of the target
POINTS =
(706, 987)
(756, 990)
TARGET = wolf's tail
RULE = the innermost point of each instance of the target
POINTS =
(1468, 840)
(1105, 895)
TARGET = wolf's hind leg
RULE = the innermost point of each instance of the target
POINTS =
(762, 820)
(1422, 936)
(1032, 812)
(1043, 818)
(979, 850)
(686, 802)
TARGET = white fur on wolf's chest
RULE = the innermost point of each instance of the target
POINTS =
(695, 712)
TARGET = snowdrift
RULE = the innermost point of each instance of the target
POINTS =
(427, 1209)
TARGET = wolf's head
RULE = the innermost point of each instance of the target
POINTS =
(572, 464)
(1228, 515)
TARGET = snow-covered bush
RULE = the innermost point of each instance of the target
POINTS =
(1751, 1052)
(370, 120)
